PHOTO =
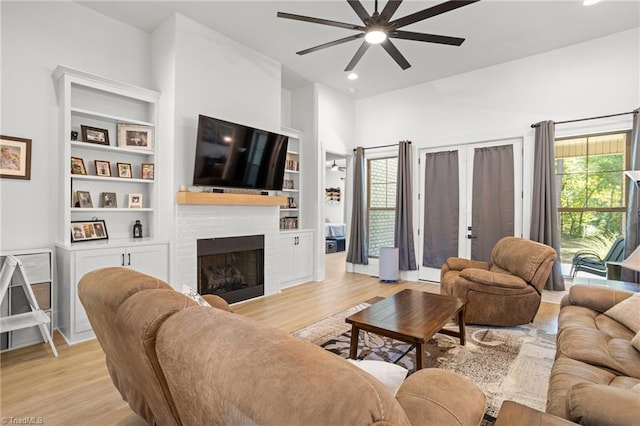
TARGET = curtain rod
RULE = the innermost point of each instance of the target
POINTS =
(380, 146)
(590, 118)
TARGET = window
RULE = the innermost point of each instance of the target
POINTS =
(593, 191)
(381, 202)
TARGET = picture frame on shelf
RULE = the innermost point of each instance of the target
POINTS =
(95, 135)
(124, 170)
(137, 137)
(77, 166)
(15, 159)
(148, 171)
(88, 230)
(135, 201)
(108, 200)
(84, 199)
(103, 168)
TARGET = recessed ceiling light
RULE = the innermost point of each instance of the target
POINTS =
(590, 2)
(352, 76)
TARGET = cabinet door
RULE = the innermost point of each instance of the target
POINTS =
(87, 261)
(285, 257)
(151, 260)
(303, 255)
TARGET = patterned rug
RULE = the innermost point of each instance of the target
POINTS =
(507, 363)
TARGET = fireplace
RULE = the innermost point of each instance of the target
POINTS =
(231, 267)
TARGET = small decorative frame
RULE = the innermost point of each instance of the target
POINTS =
(135, 201)
(84, 199)
(77, 166)
(124, 170)
(148, 171)
(103, 168)
(15, 159)
(137, 137)
(108, 200)
(88, 230)
(95, 135)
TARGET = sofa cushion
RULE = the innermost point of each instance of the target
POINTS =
(580, 317)
(636, 341)
(391, 375)
(603, 405)
(626, 312)
(491, 278)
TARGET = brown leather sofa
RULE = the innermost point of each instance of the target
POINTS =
(595, 378)
(178, 363)
(506, 291)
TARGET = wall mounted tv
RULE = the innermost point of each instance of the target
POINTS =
(232, 155)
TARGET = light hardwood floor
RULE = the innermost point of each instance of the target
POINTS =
(75, 388)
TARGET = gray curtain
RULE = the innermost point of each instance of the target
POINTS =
(403, 235)
(544, 205)
(492, 206)
(633, 208)
(358, 239)
(441, 208)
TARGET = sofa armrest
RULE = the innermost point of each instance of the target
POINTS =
(512, 413)
(433, 396)
(496, 279)
(217, 302)
(458, 264)
(600, 404)
(594, 297)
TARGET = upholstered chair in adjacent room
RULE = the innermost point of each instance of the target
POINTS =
(507, 290)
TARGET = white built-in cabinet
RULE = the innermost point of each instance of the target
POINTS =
(295, 251)
(89, 100)
(151, 258)
(291, 185)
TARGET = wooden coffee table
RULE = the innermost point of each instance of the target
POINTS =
(410, 316)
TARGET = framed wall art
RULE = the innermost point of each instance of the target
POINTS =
(77, 166)
(108, 200)
(88, 230)
(84, 199)
(15, 161)
(148, 171)
(135, 137)
(95, 135)
(103, 168)
(135, 201)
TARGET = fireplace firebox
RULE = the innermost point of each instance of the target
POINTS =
(231, 267)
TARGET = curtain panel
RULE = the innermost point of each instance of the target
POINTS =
(633, 208)
(358, 239)
(544, 205)
(403, 235)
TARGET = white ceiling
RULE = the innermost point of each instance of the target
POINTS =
(495, 31)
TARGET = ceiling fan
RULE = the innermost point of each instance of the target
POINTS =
(334, 167)
(379, 29)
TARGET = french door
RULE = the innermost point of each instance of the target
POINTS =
(470, 197)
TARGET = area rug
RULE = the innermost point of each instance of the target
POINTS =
(507, 363)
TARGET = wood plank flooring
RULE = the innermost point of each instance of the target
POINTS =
(75, 388)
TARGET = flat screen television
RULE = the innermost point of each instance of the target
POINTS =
(236, 156)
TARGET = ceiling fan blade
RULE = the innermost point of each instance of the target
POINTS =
(331, 43)
(389, 9)
(320, 21)
(356, 58)
(432, 11)
(395, 54)
(430, 38)
(359, 9)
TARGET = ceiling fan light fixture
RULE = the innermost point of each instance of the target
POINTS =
(352, 76)
(334, 166)
(375, 35)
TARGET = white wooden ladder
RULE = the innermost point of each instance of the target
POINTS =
(28, 319)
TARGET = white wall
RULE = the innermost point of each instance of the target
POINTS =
(595, 78)
(36, 37)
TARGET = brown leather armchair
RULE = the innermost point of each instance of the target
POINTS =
(507, 290)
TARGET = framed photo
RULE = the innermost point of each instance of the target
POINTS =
(135, 201)
(88, 230)
(95, 135)
(77, 166)
(135, 137)
(103, 168)
(15, 161)
(108, 200)
(148, 171)
(84, 199)
(124, 170)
